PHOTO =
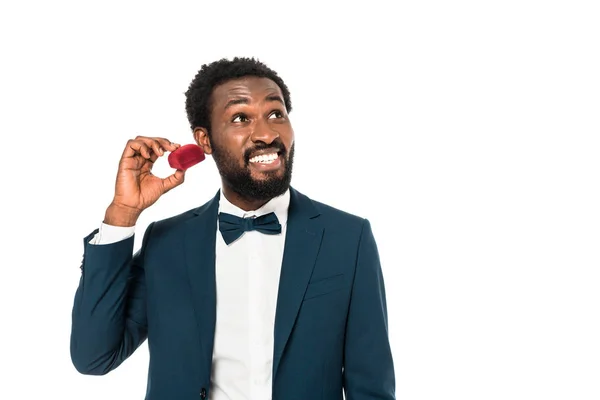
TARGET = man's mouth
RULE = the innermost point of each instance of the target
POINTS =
(267, 158)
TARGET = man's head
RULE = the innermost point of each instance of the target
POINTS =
(238, 111)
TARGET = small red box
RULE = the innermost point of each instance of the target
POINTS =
(186, 156)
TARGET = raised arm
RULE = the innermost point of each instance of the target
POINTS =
(109, 313)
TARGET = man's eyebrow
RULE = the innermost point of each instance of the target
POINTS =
(241, 100)
(275, 97)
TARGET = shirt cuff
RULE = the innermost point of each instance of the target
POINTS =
(108, 234)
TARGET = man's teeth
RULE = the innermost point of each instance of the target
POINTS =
(265, 158)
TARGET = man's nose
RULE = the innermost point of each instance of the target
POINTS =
(263, 132)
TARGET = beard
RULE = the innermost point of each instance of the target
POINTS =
(240, 179)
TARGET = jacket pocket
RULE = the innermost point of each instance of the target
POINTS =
(324, 286)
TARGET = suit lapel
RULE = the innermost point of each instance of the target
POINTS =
(303, 239)
(200, 243)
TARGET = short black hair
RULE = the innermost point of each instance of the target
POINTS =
(198, 95)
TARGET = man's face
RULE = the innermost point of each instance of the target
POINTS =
(252, 140)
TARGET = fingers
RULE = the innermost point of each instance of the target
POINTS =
(167, 145)
(173, 180)
(148, 146)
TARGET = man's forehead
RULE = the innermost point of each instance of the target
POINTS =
(245, 86)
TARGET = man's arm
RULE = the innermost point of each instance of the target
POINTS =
(109, 313)
(368, 364)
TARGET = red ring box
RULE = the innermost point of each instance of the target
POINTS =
(186, 156)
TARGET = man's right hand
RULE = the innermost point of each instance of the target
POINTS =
(137, 188)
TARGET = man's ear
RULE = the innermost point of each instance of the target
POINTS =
(202, 139)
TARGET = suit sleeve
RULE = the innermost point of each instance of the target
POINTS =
(109, 312)
(368, 364)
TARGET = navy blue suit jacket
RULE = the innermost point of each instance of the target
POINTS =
(331, 320)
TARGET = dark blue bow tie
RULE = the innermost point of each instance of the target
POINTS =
(232, 227)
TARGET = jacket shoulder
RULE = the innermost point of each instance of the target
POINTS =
(329, 211)
(178, 221)
(336, 216)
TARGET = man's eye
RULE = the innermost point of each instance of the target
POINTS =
(239, 118)
(276, 114)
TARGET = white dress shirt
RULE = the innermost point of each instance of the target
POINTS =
(247, 280)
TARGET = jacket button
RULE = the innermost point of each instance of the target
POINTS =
(203, 393)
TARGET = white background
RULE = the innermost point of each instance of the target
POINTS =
(465, 131)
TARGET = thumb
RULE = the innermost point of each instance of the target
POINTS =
(173, 180)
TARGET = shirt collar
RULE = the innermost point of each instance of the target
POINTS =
(279, 205)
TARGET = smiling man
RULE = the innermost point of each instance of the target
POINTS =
(261, 293)
(253, 140)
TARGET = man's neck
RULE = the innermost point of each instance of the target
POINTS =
(242, 202)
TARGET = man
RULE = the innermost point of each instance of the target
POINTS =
(261, 293)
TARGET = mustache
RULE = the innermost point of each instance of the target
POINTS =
(276, 145)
